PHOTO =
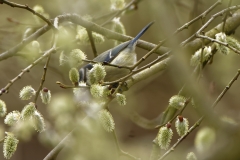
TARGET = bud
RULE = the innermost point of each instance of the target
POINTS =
(76, 57)
(204, 139)
(106, 91)
(28, 111)
(45, 95)
(99, 72)
(117, 4)
(118, 26)
(224, 50)
(229, 120)
(62, 58)
(28, 32)
(9, 145)
(106, 120)
(91, 78)
(3, 108)
(121, 99)
(38, 121)
(164, 137)
(34, 49)
(87, 17)
(82, 37)
(191, 156)
(26, 93)
(12, 118)
(181, 125)
(74, 76)
(233, 42)
(64, 36)
(97, 90)
(36, 45)
(98, 38)
(177, 101)
(222, 38)
(39, 9)
(193, 103)
(196, 58)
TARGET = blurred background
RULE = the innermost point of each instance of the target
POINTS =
(148, 98)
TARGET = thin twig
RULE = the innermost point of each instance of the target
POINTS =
(27, 69)
(109, 34)
(147, 55)
(120, 151)
(140, 69)
(133, 66)
(219, 42)
(87, 24)
(162, 42)
(45, 68)
(186, 25)
(117, 89)
(168, 53)
(11, 52)
(226, 15)
(69, 86)
(20, 23)
(183, 43)
(181, 139)
(226, 89)
(201, 119)
(42, 79)
(53, 154)
(92, 43)
(106, 64)
(12, 4)
(208, 22)
(117, 13)
(74, 18)
(174, 117)
(56, 150)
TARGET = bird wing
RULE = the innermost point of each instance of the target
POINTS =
(109, 55)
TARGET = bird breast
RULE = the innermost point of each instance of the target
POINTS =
(124, 58)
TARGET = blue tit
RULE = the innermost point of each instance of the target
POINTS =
(123, 55)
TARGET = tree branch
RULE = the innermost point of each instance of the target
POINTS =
(232, 23)
(26, 7)
(27, 69)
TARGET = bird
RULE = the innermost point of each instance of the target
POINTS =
(122, 55)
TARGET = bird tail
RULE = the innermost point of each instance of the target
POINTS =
(134, 40)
